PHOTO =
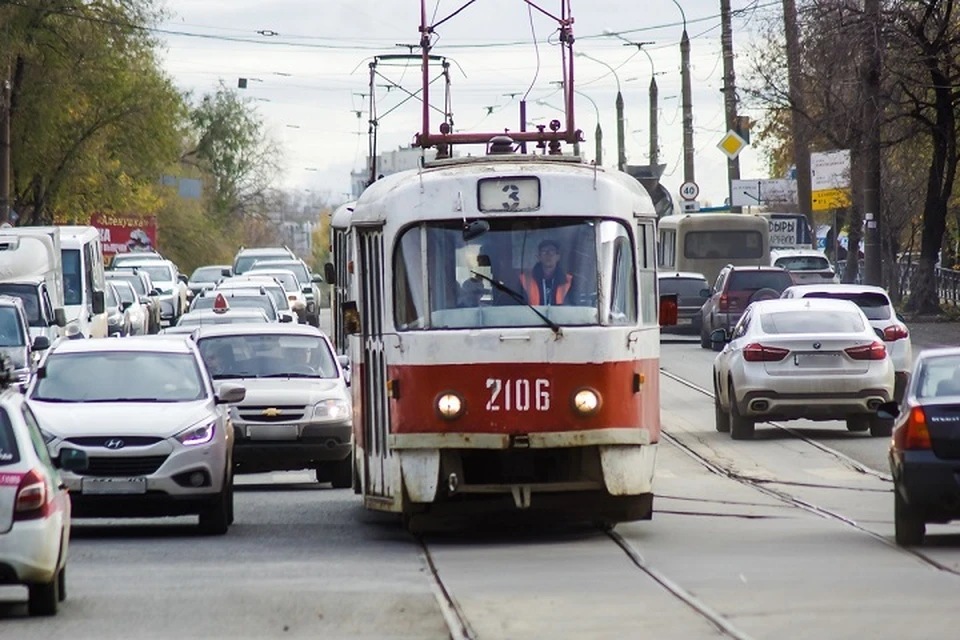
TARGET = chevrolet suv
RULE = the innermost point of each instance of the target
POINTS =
(736, 287)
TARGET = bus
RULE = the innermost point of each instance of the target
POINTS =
(707, 242)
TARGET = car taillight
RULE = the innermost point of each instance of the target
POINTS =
(724, 303)
(895, 332)
(873, 351)
(757, 352)
(31, 500)
(916, 435)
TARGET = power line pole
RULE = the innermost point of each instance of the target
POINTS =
(801, 138)
(871, 139)
(5, 154)
(621, 143)
(729, 93)
(688, 151)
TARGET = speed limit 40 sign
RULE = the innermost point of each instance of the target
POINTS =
(689, 191)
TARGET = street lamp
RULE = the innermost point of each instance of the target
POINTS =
(598, 133)
(654, 93)
(621, 149)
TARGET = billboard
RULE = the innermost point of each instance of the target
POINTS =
(123, 234)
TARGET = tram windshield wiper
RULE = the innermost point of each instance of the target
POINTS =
(499, 286)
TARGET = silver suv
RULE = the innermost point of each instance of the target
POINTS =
(158, 437)
(297, 412)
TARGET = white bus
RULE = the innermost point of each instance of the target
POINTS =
(83, 280)
(707, 242)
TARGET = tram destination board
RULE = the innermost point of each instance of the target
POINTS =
(508, 194)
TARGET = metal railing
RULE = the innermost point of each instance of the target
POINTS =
(947, 280)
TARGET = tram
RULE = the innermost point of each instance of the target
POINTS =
(504, 339)
(336, 272)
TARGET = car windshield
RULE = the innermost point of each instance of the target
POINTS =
(683, 287)
(287, 280)
(132, 279)
(812, 321)
(747, 280)
(72, 277)
(803, 263)
(294, 266)
(157, 272)
(207, 274)
(11, 333)
(274, 290)
(876, 306)
(268, 356)
(245, 263)
(574, 271)
(120, 376)
(243, 302)
(938, 377)
(30, 295)
(9, 454)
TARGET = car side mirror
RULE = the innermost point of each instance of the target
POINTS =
(668, 309)
(344, 361)
(704, 293)
(125, 305)
(99, 302)
(888, 410)
(182, 278)
(718, 338)
(330, 272)
(286, 317)
(41, 343)
(317, 278)
(154, 292)
(226, 273)
(71, 459)
(60, 317)
(230, 394)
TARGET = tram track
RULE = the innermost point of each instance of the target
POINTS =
(456, 621)
(765, 486)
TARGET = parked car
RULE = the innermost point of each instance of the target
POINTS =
(136, 311)
(689, 289)
(790, 359)
(118, 321)
(735, 288)
(297, 413)
(207, 277)
(35, 509)
(158, 437)
(926, 446)
(876, 305)
(806, 266)
(308, 281)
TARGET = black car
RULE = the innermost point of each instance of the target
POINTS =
(925, 452)
(689, 288)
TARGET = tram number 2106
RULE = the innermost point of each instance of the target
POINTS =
(518, 395)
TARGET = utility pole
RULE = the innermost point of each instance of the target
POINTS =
(5, 154)
(654, 96)
(801, 139)
(871, 141)
(686, 92)
(621, 143)
(729, 93)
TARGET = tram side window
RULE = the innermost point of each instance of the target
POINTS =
(649, 296)
(668, 248)
(409, 304)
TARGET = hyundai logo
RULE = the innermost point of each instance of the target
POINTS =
(114, 443)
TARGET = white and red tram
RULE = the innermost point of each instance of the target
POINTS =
(468, 398)
(336, 271)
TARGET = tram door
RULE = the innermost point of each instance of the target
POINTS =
(339, 289)
(376, 418)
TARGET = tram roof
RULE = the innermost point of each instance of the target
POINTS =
(341, 216)
(447, 189)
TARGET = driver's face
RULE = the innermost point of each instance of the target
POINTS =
(549, 257)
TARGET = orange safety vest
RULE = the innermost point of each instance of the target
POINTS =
(533, 289)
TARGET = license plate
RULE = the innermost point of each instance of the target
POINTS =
(273, 432)
(684, 321)
(816, 359)
(113, 486)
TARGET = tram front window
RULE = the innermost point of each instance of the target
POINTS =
(576, 271)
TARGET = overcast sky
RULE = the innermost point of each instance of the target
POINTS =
(309, 62)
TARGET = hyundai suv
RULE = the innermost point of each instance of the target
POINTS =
(736, 287)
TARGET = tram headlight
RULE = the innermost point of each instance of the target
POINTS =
(586, 402)
(449, 405)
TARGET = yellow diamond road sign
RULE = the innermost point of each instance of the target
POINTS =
(732, 144)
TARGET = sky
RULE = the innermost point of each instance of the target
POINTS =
(307, 65)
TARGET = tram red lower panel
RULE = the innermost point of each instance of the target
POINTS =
(508, 398)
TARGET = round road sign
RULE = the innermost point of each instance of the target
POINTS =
(689, 191)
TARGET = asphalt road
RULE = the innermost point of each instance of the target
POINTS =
(772, 538)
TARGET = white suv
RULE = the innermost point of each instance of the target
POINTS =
(159, 439)
(876, 305)
(34, 507)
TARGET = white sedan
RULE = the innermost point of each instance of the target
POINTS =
(791, 359)
(876, 305)
(34, 508)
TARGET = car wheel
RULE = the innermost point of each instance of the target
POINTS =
(740, 428)
(44, 598)
(908, 523)
(858, 423)
(230, 502)
(880, 427)
(62, 584)
(722, 420)
(215, 518)
(342, 475)
(704, 337)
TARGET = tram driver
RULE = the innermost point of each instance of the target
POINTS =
(547, 283)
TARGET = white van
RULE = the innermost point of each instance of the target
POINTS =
(30, 269)
(83, 280)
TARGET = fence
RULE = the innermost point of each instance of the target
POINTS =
(947, 280)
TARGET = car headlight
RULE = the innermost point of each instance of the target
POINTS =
(331, 410)
(195, 435)
(585, 402)
(450, 405)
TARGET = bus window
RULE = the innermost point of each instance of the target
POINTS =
(668, 244)
(741, 245)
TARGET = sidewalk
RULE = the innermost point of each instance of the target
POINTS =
(928, 335)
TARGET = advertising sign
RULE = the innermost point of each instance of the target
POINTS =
(783, 233)
(124, 234)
